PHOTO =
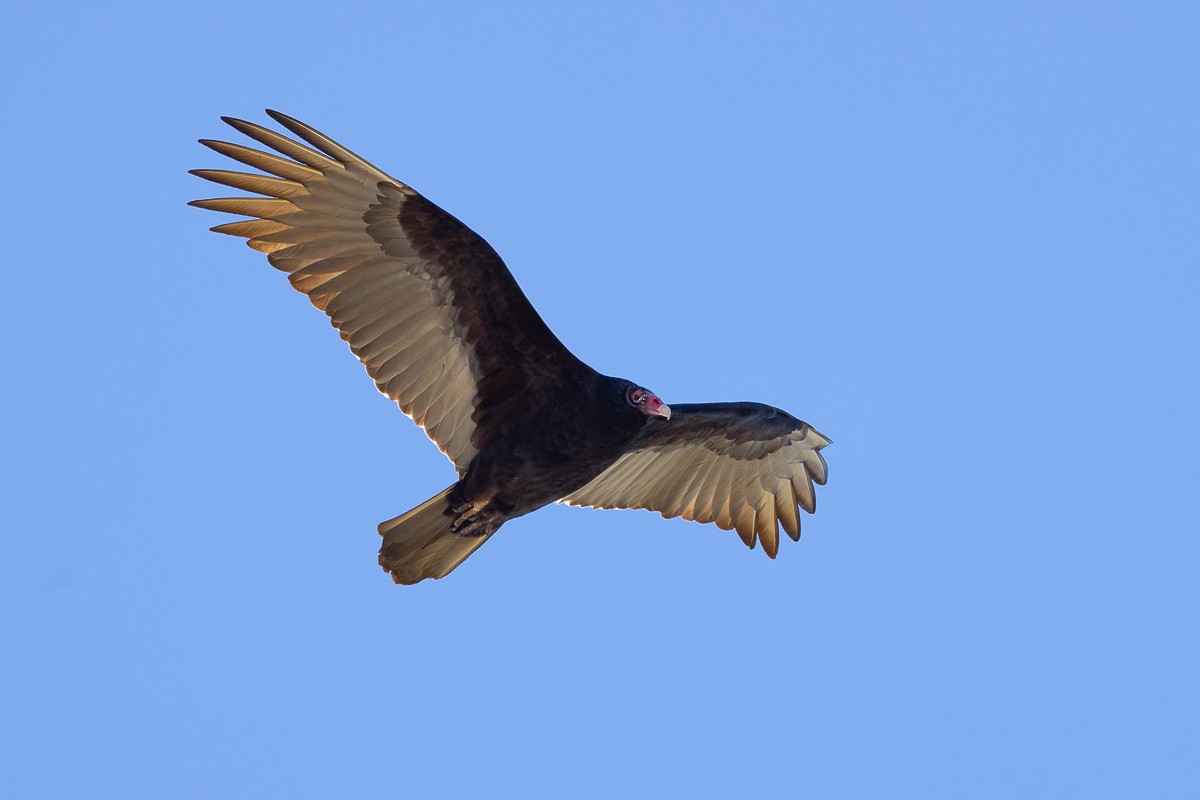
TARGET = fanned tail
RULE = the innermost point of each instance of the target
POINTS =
(418, 544)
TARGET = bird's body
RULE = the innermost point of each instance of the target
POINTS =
(552, 454)
(445, 331)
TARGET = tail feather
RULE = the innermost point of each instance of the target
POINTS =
(418, 544)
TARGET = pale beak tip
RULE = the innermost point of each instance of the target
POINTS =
(664, 411)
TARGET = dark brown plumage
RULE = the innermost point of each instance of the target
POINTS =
(445, 331)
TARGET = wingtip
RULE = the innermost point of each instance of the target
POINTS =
(289, 122)
(824, 476)
(821, 439)
(242, 126)
(233, 122)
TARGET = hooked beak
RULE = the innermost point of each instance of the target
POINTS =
(660, 410)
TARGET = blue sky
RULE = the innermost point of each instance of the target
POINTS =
(959, 239)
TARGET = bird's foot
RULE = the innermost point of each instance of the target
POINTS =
(471, 520)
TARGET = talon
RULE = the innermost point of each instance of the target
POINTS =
(483, 525)
(469, 508)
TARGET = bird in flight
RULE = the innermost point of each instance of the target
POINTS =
(444, 330)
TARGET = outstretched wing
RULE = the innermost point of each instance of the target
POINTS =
(741, 465)
(423, 301)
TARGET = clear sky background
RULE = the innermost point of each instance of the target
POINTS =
(961, 239)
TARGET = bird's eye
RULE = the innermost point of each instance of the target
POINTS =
(637, 397)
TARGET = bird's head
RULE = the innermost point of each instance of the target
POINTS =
(647, 402)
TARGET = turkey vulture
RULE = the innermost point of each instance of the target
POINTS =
(445, 331)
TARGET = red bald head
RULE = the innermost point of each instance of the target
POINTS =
(647, 402)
